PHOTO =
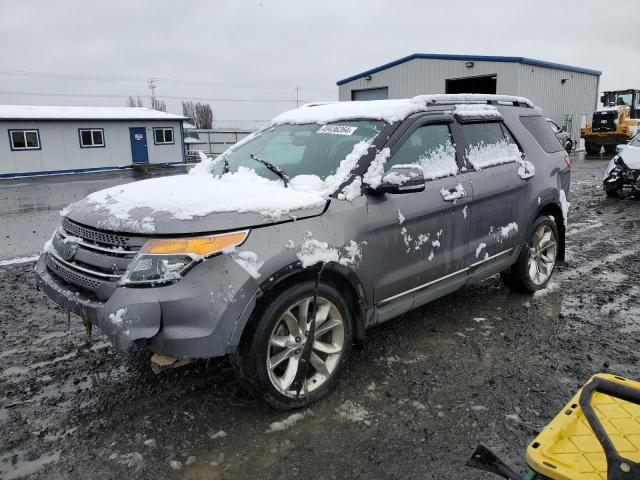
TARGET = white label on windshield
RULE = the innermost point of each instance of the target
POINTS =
(337, 129)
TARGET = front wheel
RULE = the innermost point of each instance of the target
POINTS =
(592, 148)
(537, 260)
(269, 357)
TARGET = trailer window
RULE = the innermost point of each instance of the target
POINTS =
(541, 131)
(91, 137)
(163, 136)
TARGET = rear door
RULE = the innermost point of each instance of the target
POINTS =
(496, 216)
(421, 236)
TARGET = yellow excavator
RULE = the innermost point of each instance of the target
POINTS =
(616, 123)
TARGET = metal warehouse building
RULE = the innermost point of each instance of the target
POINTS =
(39, 140)
(566, 94)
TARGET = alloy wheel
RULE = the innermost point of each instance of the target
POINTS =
(542, 255)
(287, 340)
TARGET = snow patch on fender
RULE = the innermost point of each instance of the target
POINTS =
(249, 262)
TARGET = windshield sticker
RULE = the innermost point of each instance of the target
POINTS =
(337, 129)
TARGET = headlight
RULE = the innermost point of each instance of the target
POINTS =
(166, 260)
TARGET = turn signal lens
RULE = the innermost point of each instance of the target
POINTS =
(200, 246)
(567, 160)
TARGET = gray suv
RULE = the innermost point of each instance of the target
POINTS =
(331, 219)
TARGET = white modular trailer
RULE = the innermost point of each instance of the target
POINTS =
(566, 94)
(37, 140)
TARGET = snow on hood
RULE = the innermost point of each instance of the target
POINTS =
(238, 200)
(631, 157)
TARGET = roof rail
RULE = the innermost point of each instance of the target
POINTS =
(449, 99)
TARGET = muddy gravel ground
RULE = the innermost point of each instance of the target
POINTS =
(481, 365)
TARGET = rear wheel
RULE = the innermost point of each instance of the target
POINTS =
(268, 359)
(537, 260)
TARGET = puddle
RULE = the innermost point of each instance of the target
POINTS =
(13, 464)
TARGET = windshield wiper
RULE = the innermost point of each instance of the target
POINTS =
(274, 168)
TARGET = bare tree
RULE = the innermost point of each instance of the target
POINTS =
(132, 102)
(158, 104)
(200, 114)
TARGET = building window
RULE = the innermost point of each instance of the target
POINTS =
(91, 137)
(24, 139)
(163, 136)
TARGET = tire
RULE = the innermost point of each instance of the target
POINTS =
(610, 149)
(522, 276)
(614, 190)
(272, 328)
(568, 146)
(592, 148)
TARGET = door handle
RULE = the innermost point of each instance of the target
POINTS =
(453, 193)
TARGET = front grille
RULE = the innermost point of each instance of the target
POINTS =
(95, 236)
(605, 121)
(71, 276)
(89, 258)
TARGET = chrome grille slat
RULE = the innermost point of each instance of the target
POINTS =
(75, 266)
(100, 237)
(111, 251)
(69, 275)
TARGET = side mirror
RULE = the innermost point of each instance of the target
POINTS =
(402, 179)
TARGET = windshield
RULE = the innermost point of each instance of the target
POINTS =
(309, 149)
(635, 141)
(618, 98)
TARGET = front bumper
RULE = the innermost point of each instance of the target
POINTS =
(196, 317)
(606, 138)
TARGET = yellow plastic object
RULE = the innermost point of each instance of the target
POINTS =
(568, 449)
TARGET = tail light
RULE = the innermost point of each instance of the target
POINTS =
(567, 160)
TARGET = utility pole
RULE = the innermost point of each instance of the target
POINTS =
(152, 84)
(298, 88)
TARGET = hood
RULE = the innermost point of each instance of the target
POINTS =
(631, 157)
(187, 204)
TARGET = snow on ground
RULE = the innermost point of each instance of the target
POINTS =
(353, 411)
(19, 260)
(287, 422)
(550, 288)
(249, 262)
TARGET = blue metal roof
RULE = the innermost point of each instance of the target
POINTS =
(470, 58)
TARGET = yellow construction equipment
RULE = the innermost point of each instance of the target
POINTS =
(614, 124)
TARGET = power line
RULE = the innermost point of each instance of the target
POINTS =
(131, 78)
(168, 97)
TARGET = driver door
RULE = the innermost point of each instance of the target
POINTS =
(421, 236)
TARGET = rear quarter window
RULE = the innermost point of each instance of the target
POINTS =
(541, 131)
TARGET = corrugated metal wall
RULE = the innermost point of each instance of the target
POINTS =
(576, 97)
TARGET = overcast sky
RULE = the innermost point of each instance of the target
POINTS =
(259, 51)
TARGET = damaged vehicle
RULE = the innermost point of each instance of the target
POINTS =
(329, 220)
(623, 172)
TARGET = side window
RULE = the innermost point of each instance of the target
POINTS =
(539, 128)
(488, 144)
(430, 147)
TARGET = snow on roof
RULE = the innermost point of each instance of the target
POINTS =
(188, 126)
(40, 112)
(391, 111)
(388, 110)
